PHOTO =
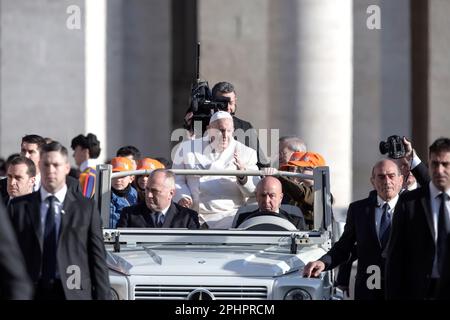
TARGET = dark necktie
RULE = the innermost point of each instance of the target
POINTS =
(385, 226)
(49, 248)
(443, 229)
(159, 219)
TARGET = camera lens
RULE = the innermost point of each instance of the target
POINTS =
(384, 147)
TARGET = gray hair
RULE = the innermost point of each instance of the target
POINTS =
(293, 143)
(169, 177)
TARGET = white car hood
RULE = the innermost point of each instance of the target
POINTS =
(205, 261)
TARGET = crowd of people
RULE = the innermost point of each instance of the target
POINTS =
(53, 228)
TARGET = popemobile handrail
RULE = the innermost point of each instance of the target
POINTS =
(322, 196)
(134, 236)
(200, 172)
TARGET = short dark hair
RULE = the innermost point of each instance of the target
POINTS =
(31, 168)
(34, 138)
(167, 163)
(89, 142)
(55, 146)
(440, 145)
(3, 164)
(10, 157)
(222, 87)
(129, 151)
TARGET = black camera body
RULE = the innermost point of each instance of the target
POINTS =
(204, 105)
(202, 101)
(393, 146)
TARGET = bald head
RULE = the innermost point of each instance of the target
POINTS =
(269, 194)
(385, 163)
(386, 179)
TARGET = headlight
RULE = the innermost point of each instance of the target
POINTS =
(297, 294)
(114, 294)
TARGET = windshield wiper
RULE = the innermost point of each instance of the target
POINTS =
(156, 258)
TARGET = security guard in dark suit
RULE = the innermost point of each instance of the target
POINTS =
(14, 280)
(59, 233)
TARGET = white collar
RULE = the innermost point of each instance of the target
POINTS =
(434, 192)
(92, 163)
(37, 182)
(60, 195)
(165, 210)
(392, 203)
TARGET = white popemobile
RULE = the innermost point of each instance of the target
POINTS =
(263, 259)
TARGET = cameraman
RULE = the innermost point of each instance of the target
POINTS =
(226, 90)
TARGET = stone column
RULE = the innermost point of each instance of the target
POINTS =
(235, 46)
(138, 76)
(42, 82)
(95, 72)
(439, 70)
(311, 81)
(381, 85)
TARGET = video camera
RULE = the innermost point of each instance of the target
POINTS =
(393, 146)
(202, 104)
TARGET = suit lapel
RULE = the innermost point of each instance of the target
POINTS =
(34, 213)
(426, 205)
(67, 211)
(146, 216)
(170, 215)
(372, 218)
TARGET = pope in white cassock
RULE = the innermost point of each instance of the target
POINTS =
(215, 198)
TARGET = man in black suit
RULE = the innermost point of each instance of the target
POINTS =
(419, 230)
(414, 173)
(30, 148)
(443, 287)
(59, 233)
(159, 211)
(21, 174)
(367, 227)
(14, 280)
(269, 196)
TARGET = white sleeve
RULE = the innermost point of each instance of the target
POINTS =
(248, 189)
(415, 160)
(181, 186)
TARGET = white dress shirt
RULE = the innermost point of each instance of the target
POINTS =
(89, 163)
(435, 201)
(37, 182)
(163, 212)
(60, 196)
(379, 211)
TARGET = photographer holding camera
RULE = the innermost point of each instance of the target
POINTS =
(413, 169)
(223, 98)
(414, 172)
